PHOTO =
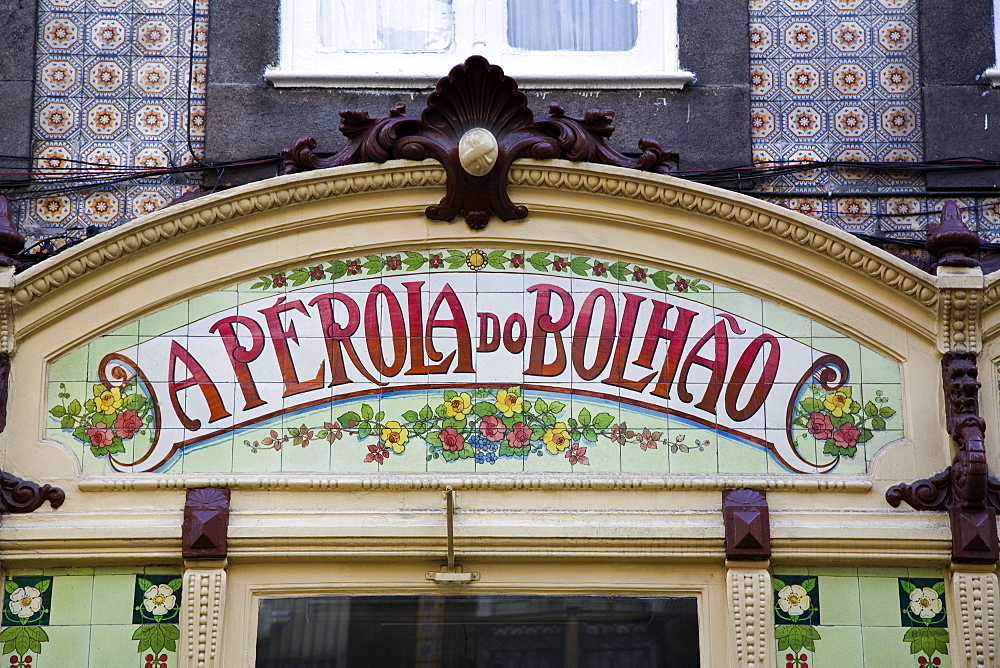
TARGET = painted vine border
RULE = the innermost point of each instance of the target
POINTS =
(478, 260)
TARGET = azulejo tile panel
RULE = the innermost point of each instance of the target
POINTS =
(836, 80)
(120, 88)
(860, 617)
(96, 617)
(475, 360)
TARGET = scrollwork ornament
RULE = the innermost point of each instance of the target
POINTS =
(24, 496)
(476, 123)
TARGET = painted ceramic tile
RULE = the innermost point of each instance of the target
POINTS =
(462, 360)
(120, 87)
(860, 617)
(93, 618)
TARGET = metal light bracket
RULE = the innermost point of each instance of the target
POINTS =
(451, 573)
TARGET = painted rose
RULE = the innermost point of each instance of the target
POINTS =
(395, 436)
(846, 436)
(159, 600)
(793, 600)
(106, 400)
(100, 435)
(519, 435)
(925, 603)
(458, 406)
(840, 402)
(128, 424)
(25, 601)
(618, 433)
(451, 439)
(820, 426)
(556, 439)
(508, 403)
(492, 428)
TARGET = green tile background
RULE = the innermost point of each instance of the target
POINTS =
(860, 613)
(90, 625)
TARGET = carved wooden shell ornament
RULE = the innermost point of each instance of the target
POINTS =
(476, 123)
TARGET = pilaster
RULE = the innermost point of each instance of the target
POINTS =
(750, 594)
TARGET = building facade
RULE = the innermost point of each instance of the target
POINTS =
(487, 382)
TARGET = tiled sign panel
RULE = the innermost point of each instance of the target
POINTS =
(873, 617)
(488, 361)
(96, 617)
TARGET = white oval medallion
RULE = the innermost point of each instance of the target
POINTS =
(477, 151)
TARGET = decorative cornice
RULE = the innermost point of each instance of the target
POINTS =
(420, 481)
(276, 194)
(476, 123)
(751, 609)
(821, 238)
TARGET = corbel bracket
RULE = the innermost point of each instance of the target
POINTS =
(748, 528)
(476, 123)
(206, 523)
(965, 489)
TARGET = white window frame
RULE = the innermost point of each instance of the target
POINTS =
(993, 74)
(480, 28)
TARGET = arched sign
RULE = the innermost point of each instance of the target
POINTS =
(475, 359)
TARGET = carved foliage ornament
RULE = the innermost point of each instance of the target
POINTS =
(965, 489)
(476, 123)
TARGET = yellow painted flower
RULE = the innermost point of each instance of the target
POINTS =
(106, 400)
(476, 259)
(458, 406)
(508, 403)
(395, 436)
(840, 402)
(556, 439)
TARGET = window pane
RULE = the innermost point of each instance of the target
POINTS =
(386, 25)
(572, 25)
(494, 631)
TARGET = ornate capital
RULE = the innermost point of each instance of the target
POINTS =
(747, 521)
(476, 123)
(751, 612)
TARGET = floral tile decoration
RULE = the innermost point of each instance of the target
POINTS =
(860, 617)
(625, 367)
(120, 87)
(92, 617)
(839, 80)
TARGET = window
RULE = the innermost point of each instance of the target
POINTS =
(429, 631)
(993, 74)
(542, 43)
